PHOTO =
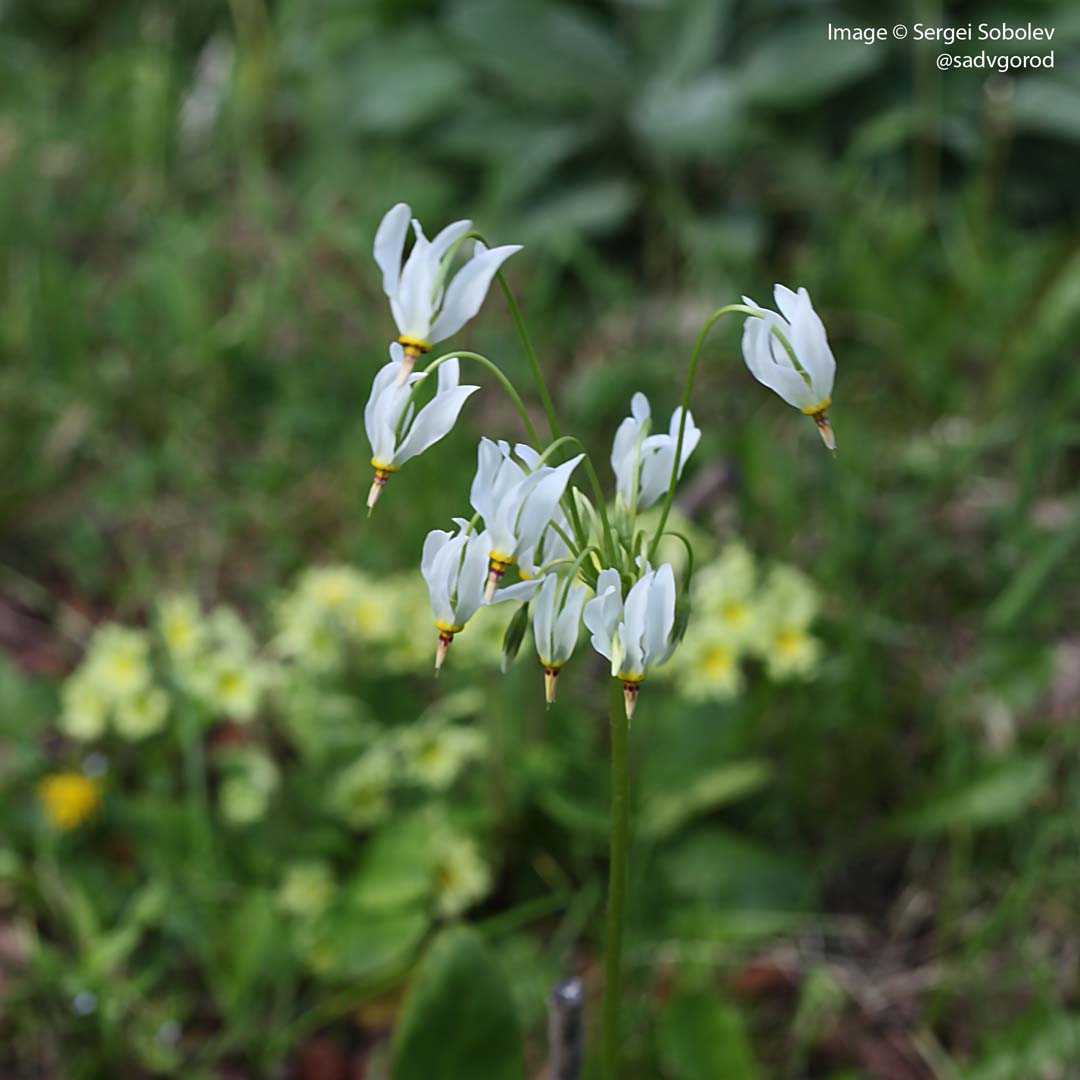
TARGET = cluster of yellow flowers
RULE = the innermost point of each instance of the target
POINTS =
(115, 688)
(214, 657)
(737, 615)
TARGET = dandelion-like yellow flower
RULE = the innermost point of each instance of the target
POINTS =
(69, 799)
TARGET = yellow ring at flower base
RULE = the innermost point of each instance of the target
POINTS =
(414, 346)
(447, 628)
(815, 410)
(631, 680)
(386, 470)
(501, 561)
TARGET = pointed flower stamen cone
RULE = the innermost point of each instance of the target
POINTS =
(825, 428)
(495, 576)
(446, 639)
(381, 476)
(551, 679)
(630, 696)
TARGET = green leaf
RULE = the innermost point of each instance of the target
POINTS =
(1047, 105)
(668, 811)
(395, 97)
(999, 794)
(459, 1018)
(795, 67)
(365, 948)
(548, 52)
(701, 1036)
(397, 868)
(698, 117)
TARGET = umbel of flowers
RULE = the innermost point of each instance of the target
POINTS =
(529, 510)
(525, 499)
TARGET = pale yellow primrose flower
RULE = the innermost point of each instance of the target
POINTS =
(84, 710)
(118, 660)
(435, 753)
(789, 603)
(306, 889)
(360, 793)
(69, 799)
(462, 878)
(707, 665)
(724, 593)
(244, 795)
(144, 713)
(180, 621)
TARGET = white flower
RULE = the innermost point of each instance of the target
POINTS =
(548, 549)
(556, 623)
(396, 431)
(636, 635)
(455, 568)
(646, 460)
(805, 381)
(517, 505)
(425, 308)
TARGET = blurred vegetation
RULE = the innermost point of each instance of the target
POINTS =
(883, 881)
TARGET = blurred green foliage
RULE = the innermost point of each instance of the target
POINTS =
(189, 323)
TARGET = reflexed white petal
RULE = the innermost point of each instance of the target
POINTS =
(446, 238)
(434, 421)
(470, 582)
(467, 290)
(390, 245)
(449, 372)
(659, 615)
(786, 301)
(639, 407)
(568, 623)
(442, 556)
(528, 455)
(489, 458)
(387, 413)
(603, 611)
(785, 381)
(520, 590)
(384, 377)
(812, 347)
(544, 618)
(632, 630)
(542, 502)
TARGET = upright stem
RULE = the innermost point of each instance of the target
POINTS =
(620, 828)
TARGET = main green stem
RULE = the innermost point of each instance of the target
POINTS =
(620, 830)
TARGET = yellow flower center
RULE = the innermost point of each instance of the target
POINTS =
(736, 612)
(790, 642)
(718, 662)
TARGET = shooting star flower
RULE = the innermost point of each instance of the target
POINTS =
(556, 622)
(516, 502)
(426, 309)
(635, 635)
(455, 568)
(642, 462)
(799, 365)
(396, 431)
